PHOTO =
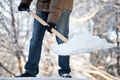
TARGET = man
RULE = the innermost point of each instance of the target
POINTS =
(55, 13)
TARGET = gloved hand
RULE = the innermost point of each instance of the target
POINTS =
(51, 25)
(23, 7)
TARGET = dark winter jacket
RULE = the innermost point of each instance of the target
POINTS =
(55, 7)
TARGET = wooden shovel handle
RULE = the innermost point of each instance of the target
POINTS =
(46, 24)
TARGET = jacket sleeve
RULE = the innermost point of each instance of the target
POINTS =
(26, 1)
(56, 7)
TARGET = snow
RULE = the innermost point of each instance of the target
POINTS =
(39, 78)
(82, 43)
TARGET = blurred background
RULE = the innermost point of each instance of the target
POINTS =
(98, 17)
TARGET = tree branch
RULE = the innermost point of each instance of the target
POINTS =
(1, 65)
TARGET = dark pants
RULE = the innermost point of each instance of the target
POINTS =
(36, 43)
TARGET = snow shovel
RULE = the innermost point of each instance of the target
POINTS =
(87, 42)
(46, 24)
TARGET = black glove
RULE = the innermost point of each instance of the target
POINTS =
(51, 25)
(23, 7)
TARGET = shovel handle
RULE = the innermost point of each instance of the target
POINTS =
(46, 24)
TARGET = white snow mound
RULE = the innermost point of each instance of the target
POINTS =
(82, 43)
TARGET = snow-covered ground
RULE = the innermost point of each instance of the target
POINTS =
(39, 78)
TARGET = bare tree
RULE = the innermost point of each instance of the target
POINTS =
(107, 26)
(13, 33)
